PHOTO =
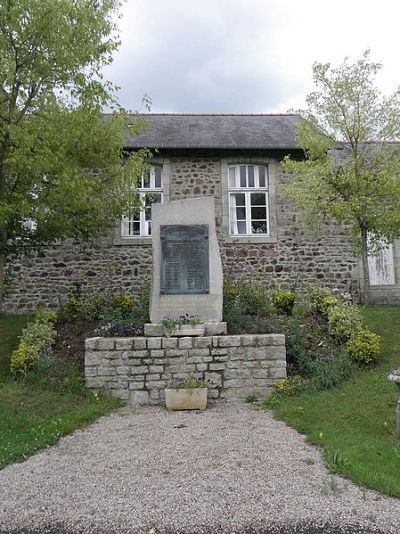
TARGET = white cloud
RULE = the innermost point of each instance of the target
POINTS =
(245, 55)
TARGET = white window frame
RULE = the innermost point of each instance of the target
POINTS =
(247, 190)
(143, 190)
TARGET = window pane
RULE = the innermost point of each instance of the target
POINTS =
(134, 228)
(241, 225)
(258, 227)
(157, 179)
(261, 175)
(241, 213)
(243, 176)
(258, 199)
(250, 170)
(259, 213)
(240, 199)
(232, 177)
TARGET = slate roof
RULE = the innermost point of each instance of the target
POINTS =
(217, 131)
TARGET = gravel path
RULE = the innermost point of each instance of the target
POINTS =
(226, 470)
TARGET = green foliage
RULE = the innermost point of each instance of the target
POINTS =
(100, 305)
(39, 334)
(250, 297)
(50, 316)
(169, 324)
(355, 422)
(25, 358)
(60, 161)
(188, 383)
(252, 399)
(364, 347)
(325, 374)
(344, 321)
(283, 301)
(358, 182)
(317, 297)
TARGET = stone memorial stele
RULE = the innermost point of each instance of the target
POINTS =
(187, 269)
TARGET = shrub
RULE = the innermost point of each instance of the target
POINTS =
(249, 296)
(283, 301)
(71, 310)
(327, 304)
(364, 347)
(291, 386)
(24, 358)
(124, 304)
(40, 335)
(325, 374)
(47, 316)
(316, 296)
(344, 321)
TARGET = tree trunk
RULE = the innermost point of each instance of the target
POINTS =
(365, 297)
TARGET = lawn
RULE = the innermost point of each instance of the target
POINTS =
(35, 413)
(355, 423)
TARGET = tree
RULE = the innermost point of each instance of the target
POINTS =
(60, 160)
(351, 170)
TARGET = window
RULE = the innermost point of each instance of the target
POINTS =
(248, 200)
(150, 191)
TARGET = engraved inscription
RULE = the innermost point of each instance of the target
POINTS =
(184, 259)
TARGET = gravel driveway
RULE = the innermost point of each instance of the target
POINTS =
(229, 469)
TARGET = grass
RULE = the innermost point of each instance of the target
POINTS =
(34, 414)
(355, 422)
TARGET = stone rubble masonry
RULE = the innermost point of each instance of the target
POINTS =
(138, 370)
(294, 258)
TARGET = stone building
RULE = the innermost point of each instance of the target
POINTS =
(235, 159)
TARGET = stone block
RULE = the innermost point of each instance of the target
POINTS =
(261, 373)
(229, 341)
(194, 359)
(156, 369)
(92, 358)
(199, 352)
(154, 343)
(139, 398)
(139, 343)
(105, 343)
(169, 342)
(232, 364)
(278, 373)
(202, 342)
(185, 342)
(120, 394)
(122, 370)
(153, 330)
(154, 376)
(155, 384)
(234, 383)
(136, 385)
(176, 353)
(276, 352)
(90, 371)
(139, 370)
(201, 367)
(91, 343)
(216, 366)
(215, 378)
(216, 329)
(124, 343)
(230, 373)
(219, 352)
(94, 382)
(278, 339)
(236, 353)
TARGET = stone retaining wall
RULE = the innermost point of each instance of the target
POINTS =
(138, 369)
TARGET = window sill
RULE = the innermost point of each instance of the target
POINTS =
(140, 240)
(252, 239)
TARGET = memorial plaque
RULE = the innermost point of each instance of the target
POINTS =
(184, 259)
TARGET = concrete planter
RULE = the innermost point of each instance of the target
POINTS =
(186, 399)
(187, 330)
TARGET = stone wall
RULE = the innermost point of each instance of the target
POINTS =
(289, 256)
(138, 369)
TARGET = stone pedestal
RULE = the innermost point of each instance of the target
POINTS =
(208, 329)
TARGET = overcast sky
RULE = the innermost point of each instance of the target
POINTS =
(245, 55)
